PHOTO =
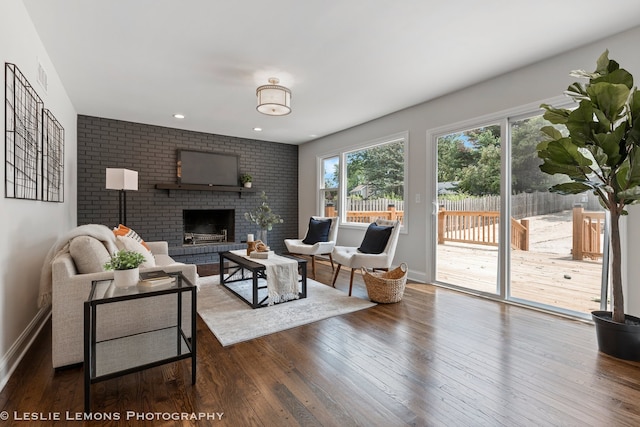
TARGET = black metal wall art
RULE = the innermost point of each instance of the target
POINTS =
(34, 143)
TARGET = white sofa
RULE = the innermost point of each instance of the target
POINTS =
(70, 289)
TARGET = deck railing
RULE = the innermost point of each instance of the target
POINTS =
(587, 233)
(367, 217)
(480, 228)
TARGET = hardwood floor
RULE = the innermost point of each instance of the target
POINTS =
(437, 358)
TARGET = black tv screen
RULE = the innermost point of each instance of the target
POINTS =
(208, 168)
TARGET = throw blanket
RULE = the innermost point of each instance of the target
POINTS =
(98, 231)
(282, 276)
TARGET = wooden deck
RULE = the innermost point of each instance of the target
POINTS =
(547, 278)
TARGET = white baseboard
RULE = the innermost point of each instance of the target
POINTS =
(12, 358)
(417, 276)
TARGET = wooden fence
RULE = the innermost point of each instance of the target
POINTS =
(361, 205)
(524, 205)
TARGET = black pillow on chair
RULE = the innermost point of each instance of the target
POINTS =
(375, 239)
(318, 231)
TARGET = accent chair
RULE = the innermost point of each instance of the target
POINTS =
(376, 250)
(319, 239)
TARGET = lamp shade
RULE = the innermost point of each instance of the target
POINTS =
(121, 179)
(273, 99)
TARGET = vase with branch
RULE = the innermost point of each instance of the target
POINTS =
(263, 217)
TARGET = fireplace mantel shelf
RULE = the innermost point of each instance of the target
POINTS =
(204, 187)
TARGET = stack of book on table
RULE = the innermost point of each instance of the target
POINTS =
(156, 278)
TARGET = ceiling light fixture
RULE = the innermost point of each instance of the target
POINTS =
(273, 99)
(178, 116)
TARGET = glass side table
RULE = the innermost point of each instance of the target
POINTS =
(112, 358)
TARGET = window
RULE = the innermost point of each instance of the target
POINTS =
(367, 183)
(329, 189)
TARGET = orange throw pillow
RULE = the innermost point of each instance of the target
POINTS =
(123, 230)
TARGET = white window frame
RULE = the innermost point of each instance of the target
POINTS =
(504, 119)
(320, 182)
(342, 190)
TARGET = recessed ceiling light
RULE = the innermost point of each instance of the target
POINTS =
(258, 129)
(178, 116)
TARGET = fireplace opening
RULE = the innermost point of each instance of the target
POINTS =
(208, 226)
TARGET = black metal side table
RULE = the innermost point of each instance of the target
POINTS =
(112, 358)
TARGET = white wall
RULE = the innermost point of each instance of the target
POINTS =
(530, 85)
(30, 227)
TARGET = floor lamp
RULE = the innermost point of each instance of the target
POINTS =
(122, 180)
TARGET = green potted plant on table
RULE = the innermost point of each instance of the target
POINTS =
(246, 180)
(126, 268)
(263, 217)
(601, 154)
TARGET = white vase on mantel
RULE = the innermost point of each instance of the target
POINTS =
(126, 278)
(247, 185)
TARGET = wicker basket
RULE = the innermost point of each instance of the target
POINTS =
(388, 286)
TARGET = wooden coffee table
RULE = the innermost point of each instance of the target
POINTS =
(240, 268)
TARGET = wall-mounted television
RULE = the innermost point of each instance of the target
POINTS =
(207, 168)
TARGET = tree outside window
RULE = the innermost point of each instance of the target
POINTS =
(375, 178)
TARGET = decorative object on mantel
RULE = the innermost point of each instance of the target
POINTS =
(122, 180)
(273, 99)
(125, 265)
(246, 179)
(263, 217)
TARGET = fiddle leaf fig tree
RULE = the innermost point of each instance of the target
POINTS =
(601, 152)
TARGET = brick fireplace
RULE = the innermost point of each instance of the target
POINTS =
(208, 226)
(158, 214)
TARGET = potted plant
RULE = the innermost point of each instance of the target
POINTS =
(126, 268)
(601, 154)
(263, 217)
(246, 180)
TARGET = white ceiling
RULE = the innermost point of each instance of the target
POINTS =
(346, 61)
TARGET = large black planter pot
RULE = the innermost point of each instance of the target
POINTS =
(617, 339)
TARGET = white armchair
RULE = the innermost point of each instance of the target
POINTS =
(299, 247)
(354, 258)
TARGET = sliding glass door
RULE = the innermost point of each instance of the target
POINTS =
(469, 208)
(560, 263)
(500, 231)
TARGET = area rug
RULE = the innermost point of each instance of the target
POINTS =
(233, 321)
